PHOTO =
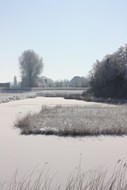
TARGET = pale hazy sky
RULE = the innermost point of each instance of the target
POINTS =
(69, 34)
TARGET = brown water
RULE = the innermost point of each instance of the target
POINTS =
(62, 154)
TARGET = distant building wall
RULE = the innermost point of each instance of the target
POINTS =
(5, 85)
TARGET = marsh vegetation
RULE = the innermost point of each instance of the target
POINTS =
(96, 179)
(75, 121)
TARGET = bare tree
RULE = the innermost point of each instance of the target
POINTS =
(31, 65)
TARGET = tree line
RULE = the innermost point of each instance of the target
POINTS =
(108, 78)
(31, 66)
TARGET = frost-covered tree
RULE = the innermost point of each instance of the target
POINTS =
(31, 65)
(109, 76)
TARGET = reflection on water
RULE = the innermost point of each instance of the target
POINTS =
(62, 154)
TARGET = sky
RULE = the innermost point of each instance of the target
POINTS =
(70, 35)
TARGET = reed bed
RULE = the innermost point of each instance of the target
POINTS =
(75, 121)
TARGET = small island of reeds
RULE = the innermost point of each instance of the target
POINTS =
(75, 121)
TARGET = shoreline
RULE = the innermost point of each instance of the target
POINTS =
(8, 97)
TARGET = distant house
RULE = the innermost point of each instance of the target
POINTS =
(44, 82)
(5, 85)
(76, 81)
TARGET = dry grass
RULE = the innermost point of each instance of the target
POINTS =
(75, 121)
(7, 97)
(97, 179)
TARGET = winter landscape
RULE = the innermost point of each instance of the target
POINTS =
(63, 95)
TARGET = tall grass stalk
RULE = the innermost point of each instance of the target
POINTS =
(98, 179)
